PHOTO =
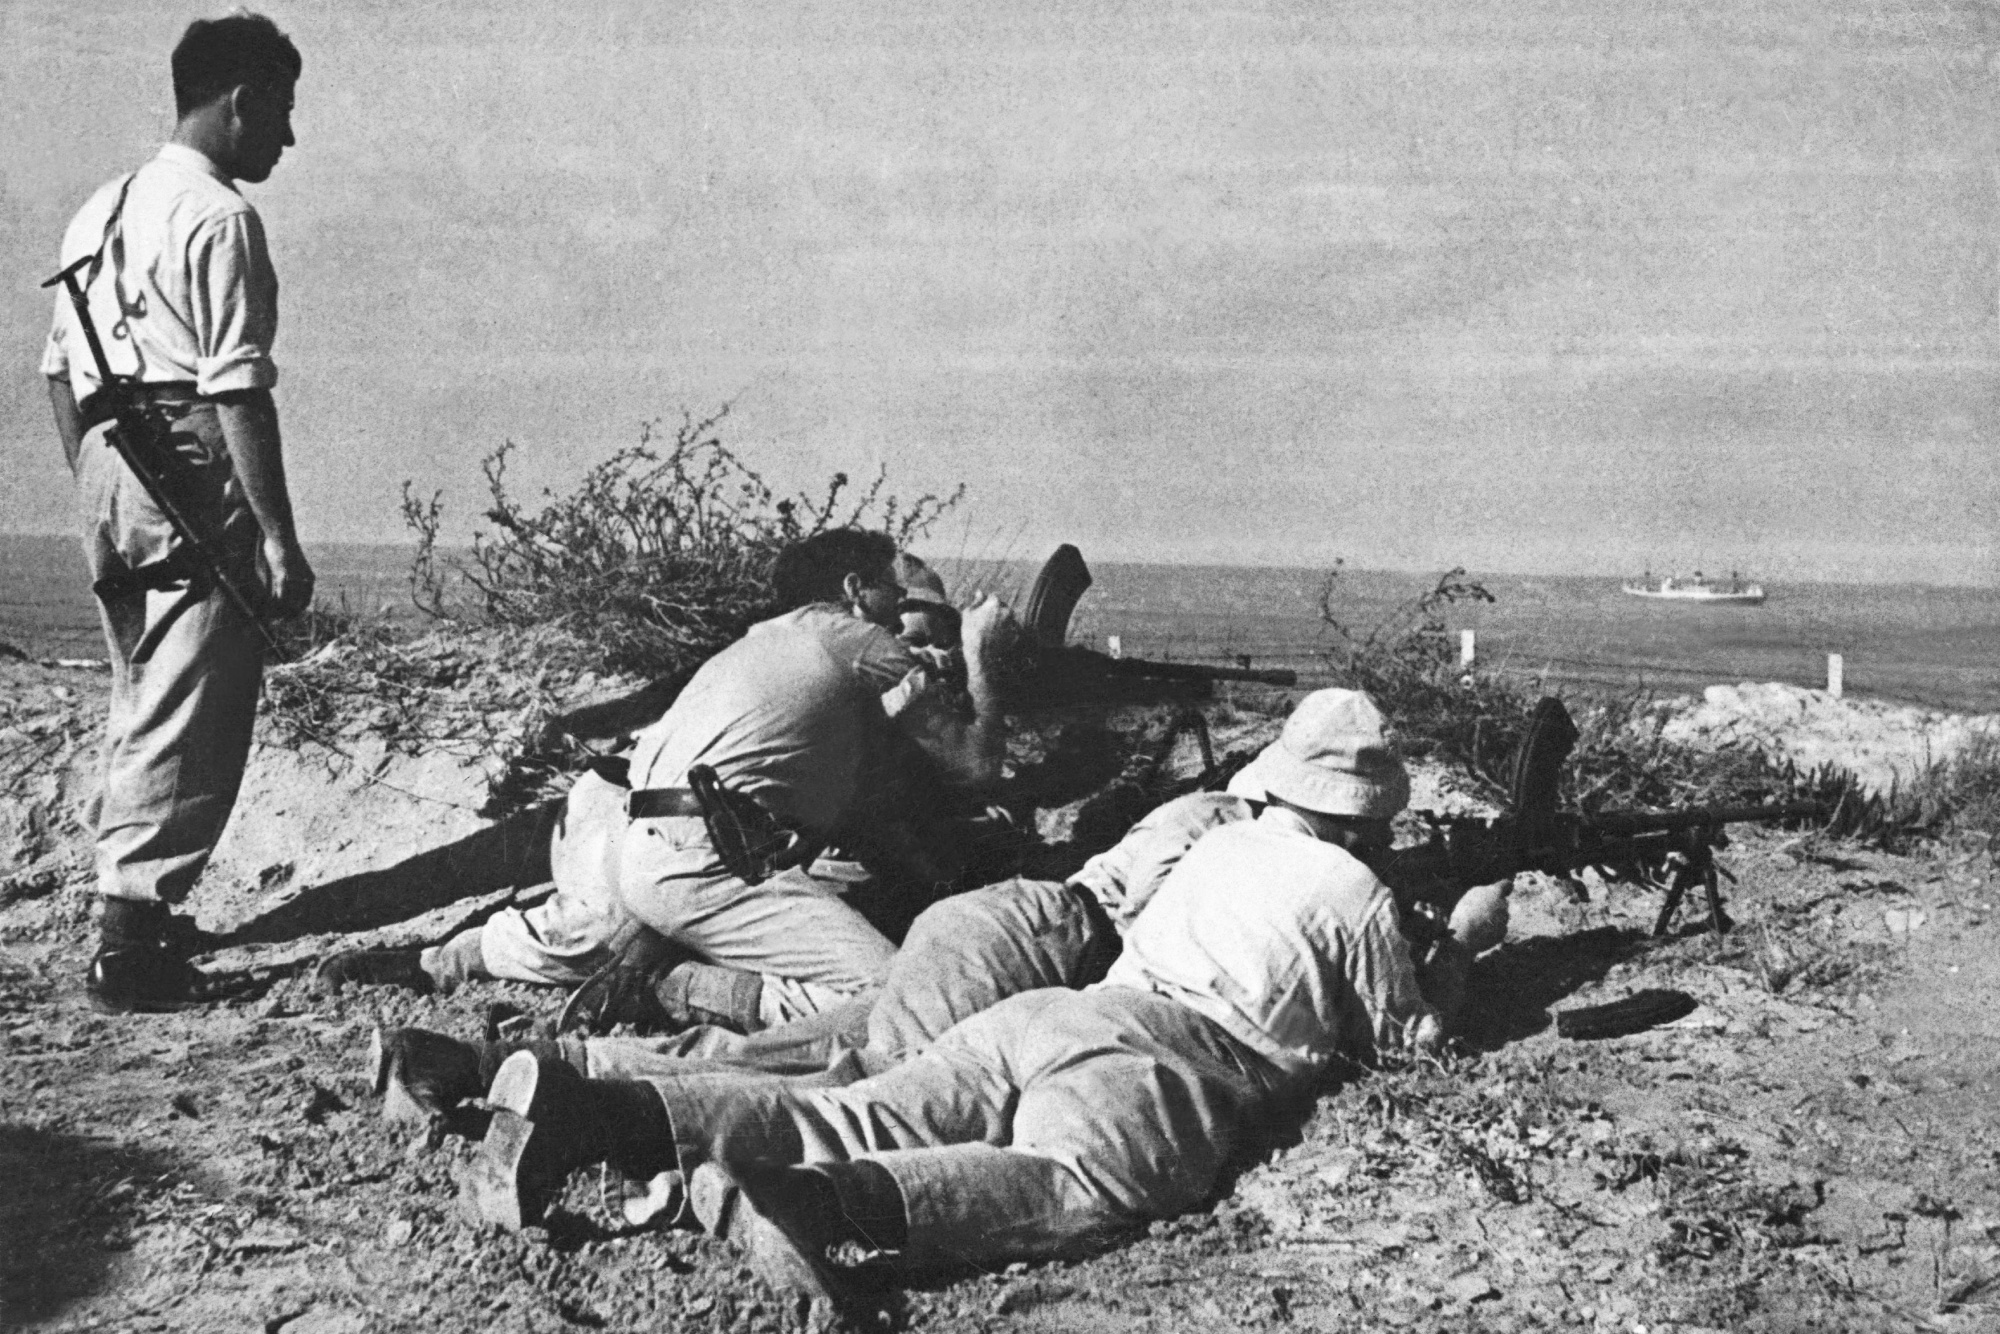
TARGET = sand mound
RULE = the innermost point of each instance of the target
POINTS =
(1882, 744)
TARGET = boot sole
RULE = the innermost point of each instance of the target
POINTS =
(493, 1189)
(517, 1087)
(781, 1260)
(505, 1185)
(397, 1103)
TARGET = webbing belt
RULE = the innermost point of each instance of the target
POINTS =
(654, 803)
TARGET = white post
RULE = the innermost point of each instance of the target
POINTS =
(1465, 648)
(1834, 673)
(1115, 645)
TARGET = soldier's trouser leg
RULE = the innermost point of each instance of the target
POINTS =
(185, 664)
(582, 926)
(813, 950)
(803, 1046)
(968, 952)
(1051, 1125)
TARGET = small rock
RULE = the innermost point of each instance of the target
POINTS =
(267, 1235)
(329, 1322)
(1903, 921)
(184, 1105)
(399, 1232)
(1470, 1288)
(321, 1101)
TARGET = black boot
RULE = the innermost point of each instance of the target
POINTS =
(373, 968)
(141, 963)
(786, 1218)
(666, 1000)
(427, 1077)
(548, 1120)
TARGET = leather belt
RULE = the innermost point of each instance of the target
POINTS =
(655, 803)
(96, 409)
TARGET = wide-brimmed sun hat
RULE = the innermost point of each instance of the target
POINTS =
(1333, 757)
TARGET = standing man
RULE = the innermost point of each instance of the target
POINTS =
(180, 287)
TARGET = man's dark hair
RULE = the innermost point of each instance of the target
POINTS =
(216, 55)
(813, 569)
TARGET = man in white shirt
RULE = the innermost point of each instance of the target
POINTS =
(182, 293)
(1055, 1122)
(961, 956)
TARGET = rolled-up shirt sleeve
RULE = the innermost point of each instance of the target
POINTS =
(234, 299)
(55, 353)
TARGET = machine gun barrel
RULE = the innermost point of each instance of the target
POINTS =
(1461, 853)
(1186, 671)
(1630, 823)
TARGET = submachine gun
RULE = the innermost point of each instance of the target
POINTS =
(139, 433)
(1672, 850)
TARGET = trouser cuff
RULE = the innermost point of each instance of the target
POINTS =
(456, 962)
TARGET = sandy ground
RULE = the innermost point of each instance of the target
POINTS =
(1812, 1148)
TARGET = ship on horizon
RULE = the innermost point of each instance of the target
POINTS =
(1673, 588)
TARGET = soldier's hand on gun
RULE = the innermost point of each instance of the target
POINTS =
(1480, 920)
(291, 577)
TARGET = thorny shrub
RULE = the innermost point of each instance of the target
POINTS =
(1477, 720)
(657, 559)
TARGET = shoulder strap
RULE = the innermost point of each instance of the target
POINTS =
(111, 224)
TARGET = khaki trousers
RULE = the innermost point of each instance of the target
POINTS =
(813, 950)
(962, 955)
(185, 665)
(1050, 1126)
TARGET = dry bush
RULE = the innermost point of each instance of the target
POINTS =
(1953, 799)
(1476, 720)
(657, 559)
(654, 561)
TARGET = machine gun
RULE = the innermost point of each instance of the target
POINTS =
(1065, 673)
(1671, 850)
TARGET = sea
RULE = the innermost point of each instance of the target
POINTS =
(1934, 646)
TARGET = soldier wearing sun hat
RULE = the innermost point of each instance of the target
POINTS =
(1056, 1122)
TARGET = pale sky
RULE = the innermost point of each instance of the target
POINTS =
(1568, 286)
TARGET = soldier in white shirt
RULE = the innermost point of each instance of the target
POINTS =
(182, 293)
(1055, 1122)
(961, 956)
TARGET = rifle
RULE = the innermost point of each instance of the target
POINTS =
(1067, 672)
(1673, 850)
(137, 432)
